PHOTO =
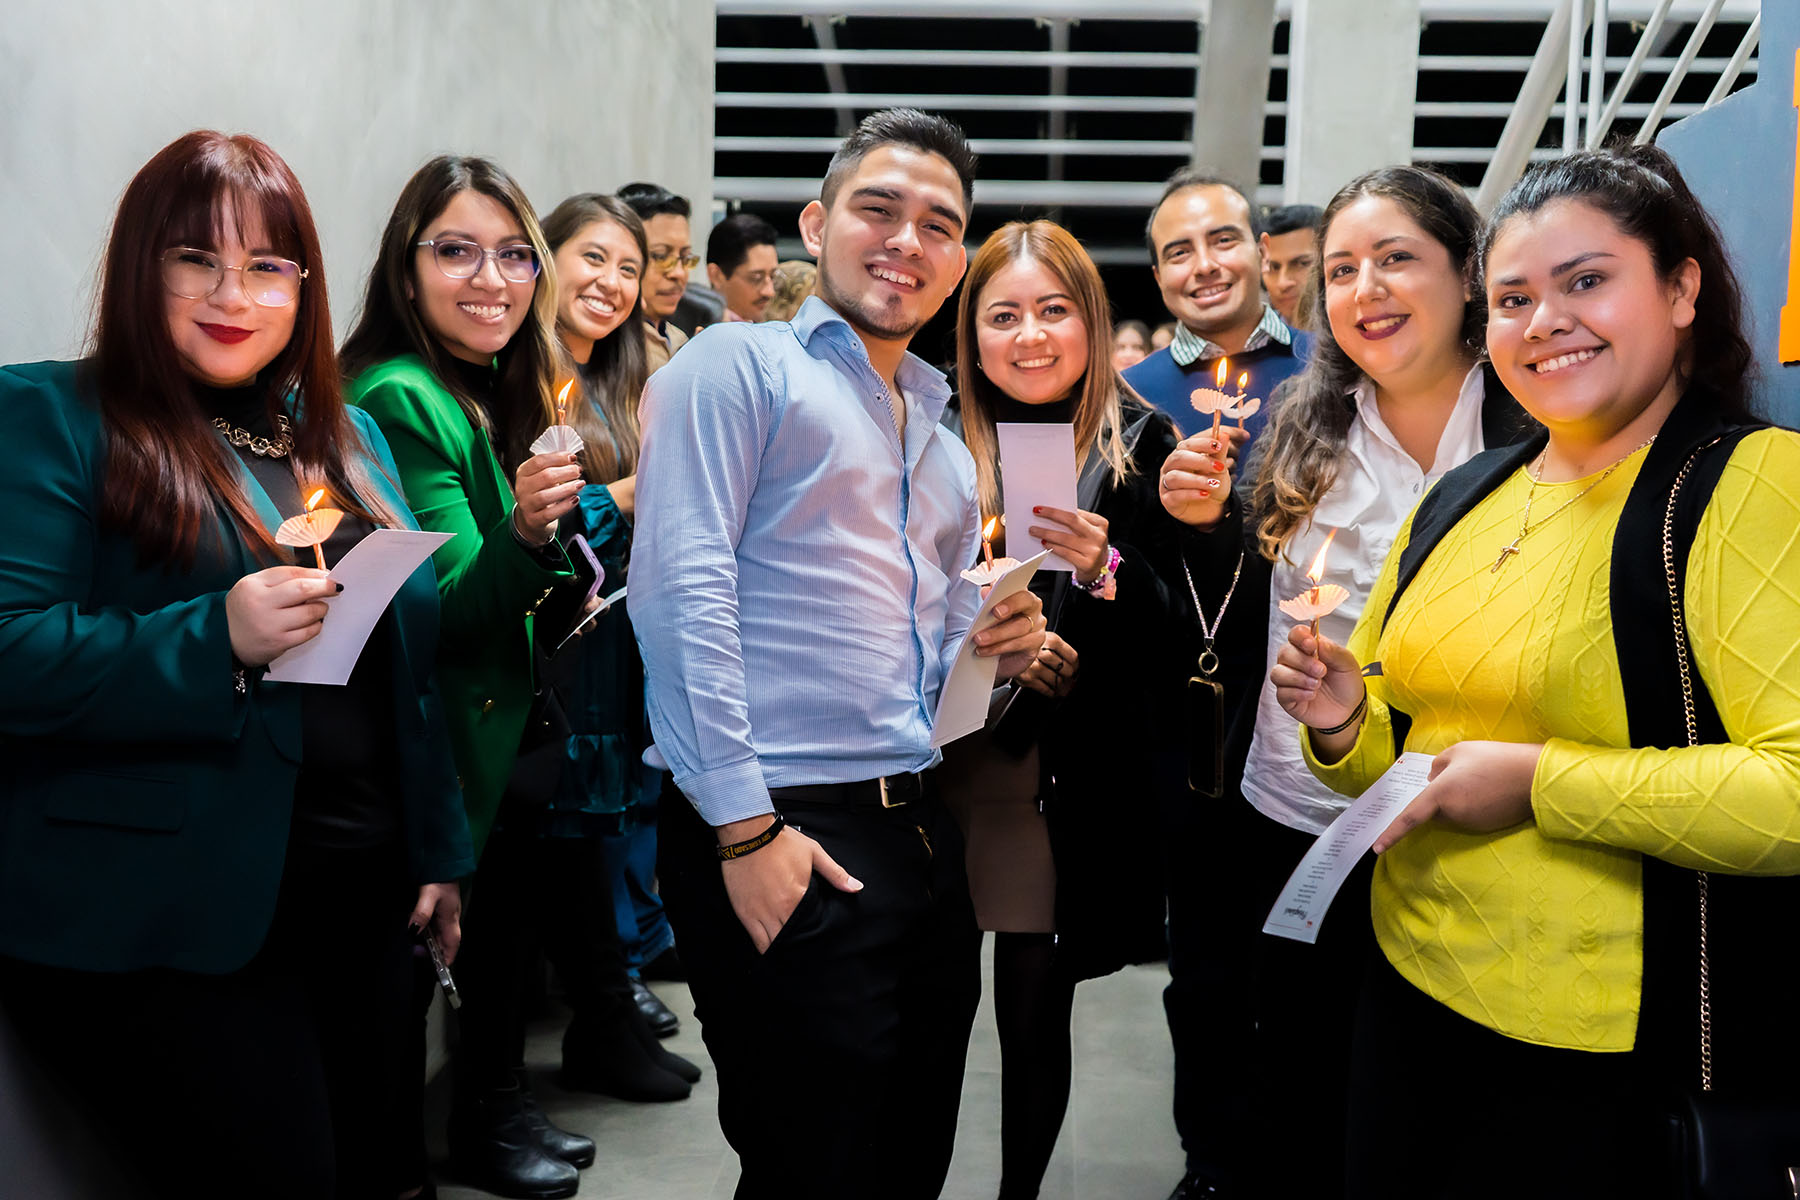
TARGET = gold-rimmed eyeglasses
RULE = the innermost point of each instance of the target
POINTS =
(195, 274)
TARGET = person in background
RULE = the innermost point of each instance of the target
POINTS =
(1541, 914)
(740, 264)
(1161, 336)
(1049, 817)
(454, 354)
(1290, 246)
(1394, 397)
(796, 626)
(793, 284)
(1131, 344)
(212, 879)
(1203, 252)
(665, 216)
(601, 819)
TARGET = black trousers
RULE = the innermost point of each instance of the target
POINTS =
(1254, 1018)
(840, 1051)
(533, 895)
(273, 1080)
(1443, 1108)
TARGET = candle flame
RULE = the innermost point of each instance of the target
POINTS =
(312, 501)
(988, 530)
(1243, 380)
(1224, 366)
(1318, 567)
(562, 402)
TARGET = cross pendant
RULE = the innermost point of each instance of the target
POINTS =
(1505, 553)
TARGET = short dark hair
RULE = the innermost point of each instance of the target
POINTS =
(923, 131)
(1291, 218)
(1194, 177)
(653, 199)
(732, 239)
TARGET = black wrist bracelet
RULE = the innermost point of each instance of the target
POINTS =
(751, 845)
(1355, 716)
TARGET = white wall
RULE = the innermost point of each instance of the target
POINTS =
(567, 95)
(1353, 73)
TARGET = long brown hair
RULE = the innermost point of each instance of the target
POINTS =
(613, 377)
(1096, 392)
(1311, 425)
(167, 470)
(389, 325)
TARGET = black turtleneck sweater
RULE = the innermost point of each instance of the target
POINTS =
(347, 794)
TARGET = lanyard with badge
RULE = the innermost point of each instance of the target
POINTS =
(1206, 697)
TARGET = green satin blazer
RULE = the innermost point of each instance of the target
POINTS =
(488, 583)
(144, 803)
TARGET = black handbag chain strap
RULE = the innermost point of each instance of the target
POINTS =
(1685, 665)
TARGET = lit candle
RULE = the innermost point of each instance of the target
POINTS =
(991, 569)
(311, 527)
(1219, 386)
(1243, 409)
(559, 438)
(312, 503)
(1321, 599)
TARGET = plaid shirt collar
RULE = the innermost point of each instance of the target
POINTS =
(1189, 347)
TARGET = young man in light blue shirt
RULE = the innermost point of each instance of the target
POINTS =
(802, 522)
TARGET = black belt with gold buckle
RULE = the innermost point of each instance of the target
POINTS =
(887, 791)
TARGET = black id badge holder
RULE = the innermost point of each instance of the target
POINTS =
(1206, 728)
(1206, 699)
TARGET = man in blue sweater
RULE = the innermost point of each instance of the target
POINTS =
(1204, 254)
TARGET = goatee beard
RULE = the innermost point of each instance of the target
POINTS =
(862, 318)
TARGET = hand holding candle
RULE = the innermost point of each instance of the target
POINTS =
(310, 528)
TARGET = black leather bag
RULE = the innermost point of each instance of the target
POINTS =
(1726, 1149)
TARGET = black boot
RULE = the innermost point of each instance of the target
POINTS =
(673, 1063)
(494, 1147)
(572, 1148)
(610, 1058)
(663, 1022)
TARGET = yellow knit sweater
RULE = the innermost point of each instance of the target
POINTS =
(1537, 932)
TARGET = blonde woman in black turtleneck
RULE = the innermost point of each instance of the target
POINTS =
(1058, 797)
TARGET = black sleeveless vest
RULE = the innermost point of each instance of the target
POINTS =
(1753, 922)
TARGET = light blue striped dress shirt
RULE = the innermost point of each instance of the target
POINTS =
(795, 576)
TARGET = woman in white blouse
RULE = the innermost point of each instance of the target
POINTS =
(1395, 395)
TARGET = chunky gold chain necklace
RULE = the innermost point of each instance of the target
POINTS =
(1535, 473)
(278, 446)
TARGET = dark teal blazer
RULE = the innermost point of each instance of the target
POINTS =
(144, 804)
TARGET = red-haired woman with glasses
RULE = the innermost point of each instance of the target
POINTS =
(209, 880)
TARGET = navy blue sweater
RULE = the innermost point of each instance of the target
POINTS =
(1166, 384)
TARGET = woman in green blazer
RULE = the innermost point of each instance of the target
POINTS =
(454, 355)
(209, 881)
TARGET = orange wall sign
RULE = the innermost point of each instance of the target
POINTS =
(1790, 312)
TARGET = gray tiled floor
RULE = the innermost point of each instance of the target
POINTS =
(1117, 1142)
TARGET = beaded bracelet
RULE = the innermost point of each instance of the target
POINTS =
(1355, 716)
(1105, 585)
(751, 845)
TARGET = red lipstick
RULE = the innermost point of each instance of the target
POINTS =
(231, 335)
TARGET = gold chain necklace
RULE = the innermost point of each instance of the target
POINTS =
(275, 447)
(1535, 473)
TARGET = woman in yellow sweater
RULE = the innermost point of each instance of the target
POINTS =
(1539, 946)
